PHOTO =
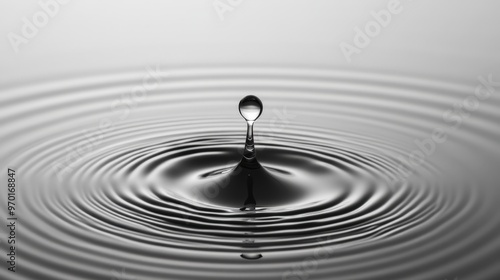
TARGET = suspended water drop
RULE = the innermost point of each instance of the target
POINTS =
(250, 109)
(249, 186)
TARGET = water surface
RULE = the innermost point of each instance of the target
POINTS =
(142, 193)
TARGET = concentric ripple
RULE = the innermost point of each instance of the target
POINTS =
(113, 181)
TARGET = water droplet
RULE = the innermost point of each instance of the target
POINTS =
(250, 186)
(251, 256)
(250, 108)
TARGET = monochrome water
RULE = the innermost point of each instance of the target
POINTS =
(192, 140)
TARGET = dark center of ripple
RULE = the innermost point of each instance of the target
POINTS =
(249, 185)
